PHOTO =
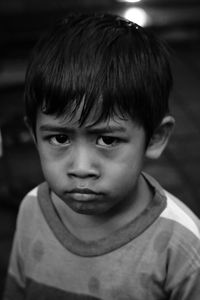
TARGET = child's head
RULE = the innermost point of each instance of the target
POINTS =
(116, 66)
(96, 100)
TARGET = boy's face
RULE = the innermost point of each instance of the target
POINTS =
(92, 168)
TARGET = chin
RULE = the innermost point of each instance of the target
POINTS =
(90, 210)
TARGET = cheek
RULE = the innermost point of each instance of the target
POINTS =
(55, 176)
(126, 169)
(50, 171)
(51, 167)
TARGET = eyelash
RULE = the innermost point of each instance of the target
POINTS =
(114, 141)
(111, 140)
(52, 139)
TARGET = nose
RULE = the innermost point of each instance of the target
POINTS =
(83, 163)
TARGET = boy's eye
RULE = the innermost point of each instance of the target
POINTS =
(59, 139)
(108, 141)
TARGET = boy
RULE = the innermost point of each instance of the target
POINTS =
(96, 95)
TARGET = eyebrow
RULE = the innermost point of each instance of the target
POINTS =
(89, 129)
(106, 129)
(48, 127)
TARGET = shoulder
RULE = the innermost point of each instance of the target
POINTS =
(176, 213)
(177, 235)
(29, 201)
(178, 228)
(183, 227)
(179, 213)
(29, 208)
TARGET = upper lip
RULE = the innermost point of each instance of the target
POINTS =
(83, 191)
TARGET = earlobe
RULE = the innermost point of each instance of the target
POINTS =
(160, 138)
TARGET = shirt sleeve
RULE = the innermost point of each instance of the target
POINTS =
(188, 289)
(15, 281)
(184, 267)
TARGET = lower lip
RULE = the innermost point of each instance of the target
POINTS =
(83, 197)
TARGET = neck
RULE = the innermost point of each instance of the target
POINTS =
(89, 227)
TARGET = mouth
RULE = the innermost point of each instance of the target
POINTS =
(83, 191)
(83, 194)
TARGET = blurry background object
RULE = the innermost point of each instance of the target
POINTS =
(22, 22)
(137, 15)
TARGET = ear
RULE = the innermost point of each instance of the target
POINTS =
(160, 138)
(27, 123)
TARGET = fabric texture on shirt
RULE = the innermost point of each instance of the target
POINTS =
(156, 256)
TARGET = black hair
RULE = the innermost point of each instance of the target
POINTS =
(115, 65)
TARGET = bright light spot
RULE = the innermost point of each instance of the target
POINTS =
(137, 15)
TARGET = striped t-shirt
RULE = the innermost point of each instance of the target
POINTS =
(154, 257)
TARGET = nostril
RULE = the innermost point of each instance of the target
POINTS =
(83, 173)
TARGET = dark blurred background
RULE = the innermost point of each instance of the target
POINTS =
(22, 22)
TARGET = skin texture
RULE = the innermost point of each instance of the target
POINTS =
(106, 158)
